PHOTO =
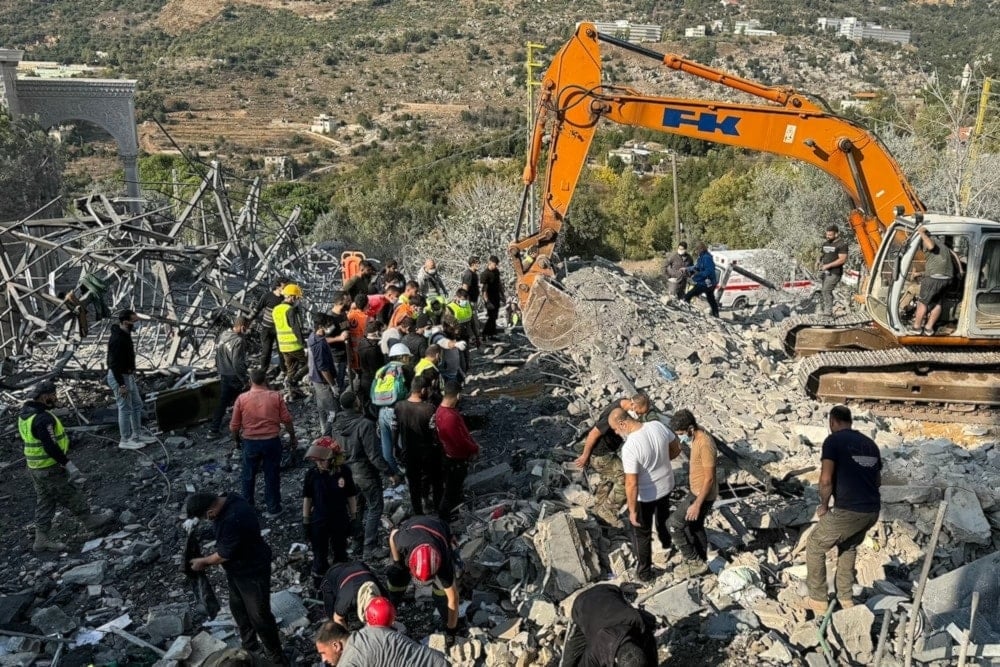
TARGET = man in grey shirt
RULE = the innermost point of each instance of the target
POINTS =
(939, 269)
(372, 647)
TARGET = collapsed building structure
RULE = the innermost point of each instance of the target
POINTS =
(528, 536)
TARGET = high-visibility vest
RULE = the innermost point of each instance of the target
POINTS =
(423, 365)
(287, 340)
(461, 314)
(34, 452)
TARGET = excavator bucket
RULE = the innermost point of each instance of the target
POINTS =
(549, 316)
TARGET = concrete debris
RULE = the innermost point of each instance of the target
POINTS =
(965, 520)
(165, 622)
(947, 598)
(491, 479)
(567, 552)
(89, 573)
(52, 621)
(675, 603)
(202, 646)
(853, 630)
(288, 609)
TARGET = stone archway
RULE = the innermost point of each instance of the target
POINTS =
(107, 103)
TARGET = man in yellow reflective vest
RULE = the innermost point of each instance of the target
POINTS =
(291, 343)
(56, 479)
(460, 317)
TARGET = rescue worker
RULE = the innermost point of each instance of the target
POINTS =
(608, 632)
(359, 437)
(372, 646)
(407, 305)
(427, 368)
(703, 278)
(851, 474)
(121, 379)
(832, 257)
(348, 589)
(268, 336)
(493, 295)
(422, 548)
(461, 315)
(939, 270)
(687, 522)
(389, 386)
(246, 559)
(56, 479)
(676, 268)
(329, 504)
(429, 280)
(291, 344)
(601, 451)
(231, 364)
(361, 282)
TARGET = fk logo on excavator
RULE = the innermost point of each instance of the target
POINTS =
(704, 121)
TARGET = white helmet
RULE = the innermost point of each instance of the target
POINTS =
(399, 350)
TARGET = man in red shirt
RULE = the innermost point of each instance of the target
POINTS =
(458, 447)
(256, 425)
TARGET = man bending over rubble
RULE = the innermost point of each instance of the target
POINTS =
(852, 474)
(372, 647)
(422, 547)
(601, 452)
(608, 632)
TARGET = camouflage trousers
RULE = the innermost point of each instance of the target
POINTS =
(612, 488)
(54, 490)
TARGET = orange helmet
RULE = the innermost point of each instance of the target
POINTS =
(424, 562)
(380, 613)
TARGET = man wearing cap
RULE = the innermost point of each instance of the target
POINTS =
(608, 632)
(359, 437)
(246, 559)
(372, 646)
(329, 502)
(347, 590)
(258, 416)
(121, 379)
(291, 344)
(422, 548)
(54, 477)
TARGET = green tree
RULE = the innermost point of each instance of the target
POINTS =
(30, 167)
(717, 209)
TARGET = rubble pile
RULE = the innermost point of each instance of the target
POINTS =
(529, 539)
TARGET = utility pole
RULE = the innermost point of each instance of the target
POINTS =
(531, 65)
(977, 131)
(677, 211)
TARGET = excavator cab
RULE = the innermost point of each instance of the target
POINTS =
(970, 303)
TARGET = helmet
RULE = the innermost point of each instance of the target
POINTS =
(42, 388)
(380, 613)
(424, 562)
(319, 452)
(291, 289)
(399, 350)
(326, 442)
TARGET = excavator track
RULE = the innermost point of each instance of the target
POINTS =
(922, 383)
(804, 335)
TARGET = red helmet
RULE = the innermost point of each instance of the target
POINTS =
(380, 613)
(424, 562)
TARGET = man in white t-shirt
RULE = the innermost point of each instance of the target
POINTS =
(649, 479)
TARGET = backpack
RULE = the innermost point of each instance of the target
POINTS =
(389, 386)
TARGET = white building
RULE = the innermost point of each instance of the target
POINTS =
(632, 32)
(740, 27)
(697, 31)
(323, 124)
(853, 28)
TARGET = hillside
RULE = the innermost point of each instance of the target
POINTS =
(248, 76)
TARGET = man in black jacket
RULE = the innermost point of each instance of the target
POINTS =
(609, 632)
(246, 558)
(121, 379)
(268, 336)
(363, 449)
(493, 294)
(231, 364)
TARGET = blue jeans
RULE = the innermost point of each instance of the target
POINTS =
(326, 405)
(340, 373)
(129, 406)
(263, 455)
(388, 432)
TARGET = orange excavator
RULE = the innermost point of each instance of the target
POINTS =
(876, 359)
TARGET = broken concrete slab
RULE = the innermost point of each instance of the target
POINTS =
(12, 607)
(911, 495)
(728, 624)
(965, 520)
(88, 573)
(541, 612)
(203, 645)
(568, 551)
(288, 609)
(167, 621)
(675, 603)
(179, 650)
(853, 629)
(947, 599)
(493, 478)
(52, 621)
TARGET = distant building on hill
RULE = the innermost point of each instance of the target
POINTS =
(852, 28)
(632, 32)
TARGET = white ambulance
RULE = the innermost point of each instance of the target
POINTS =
(779, 273)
